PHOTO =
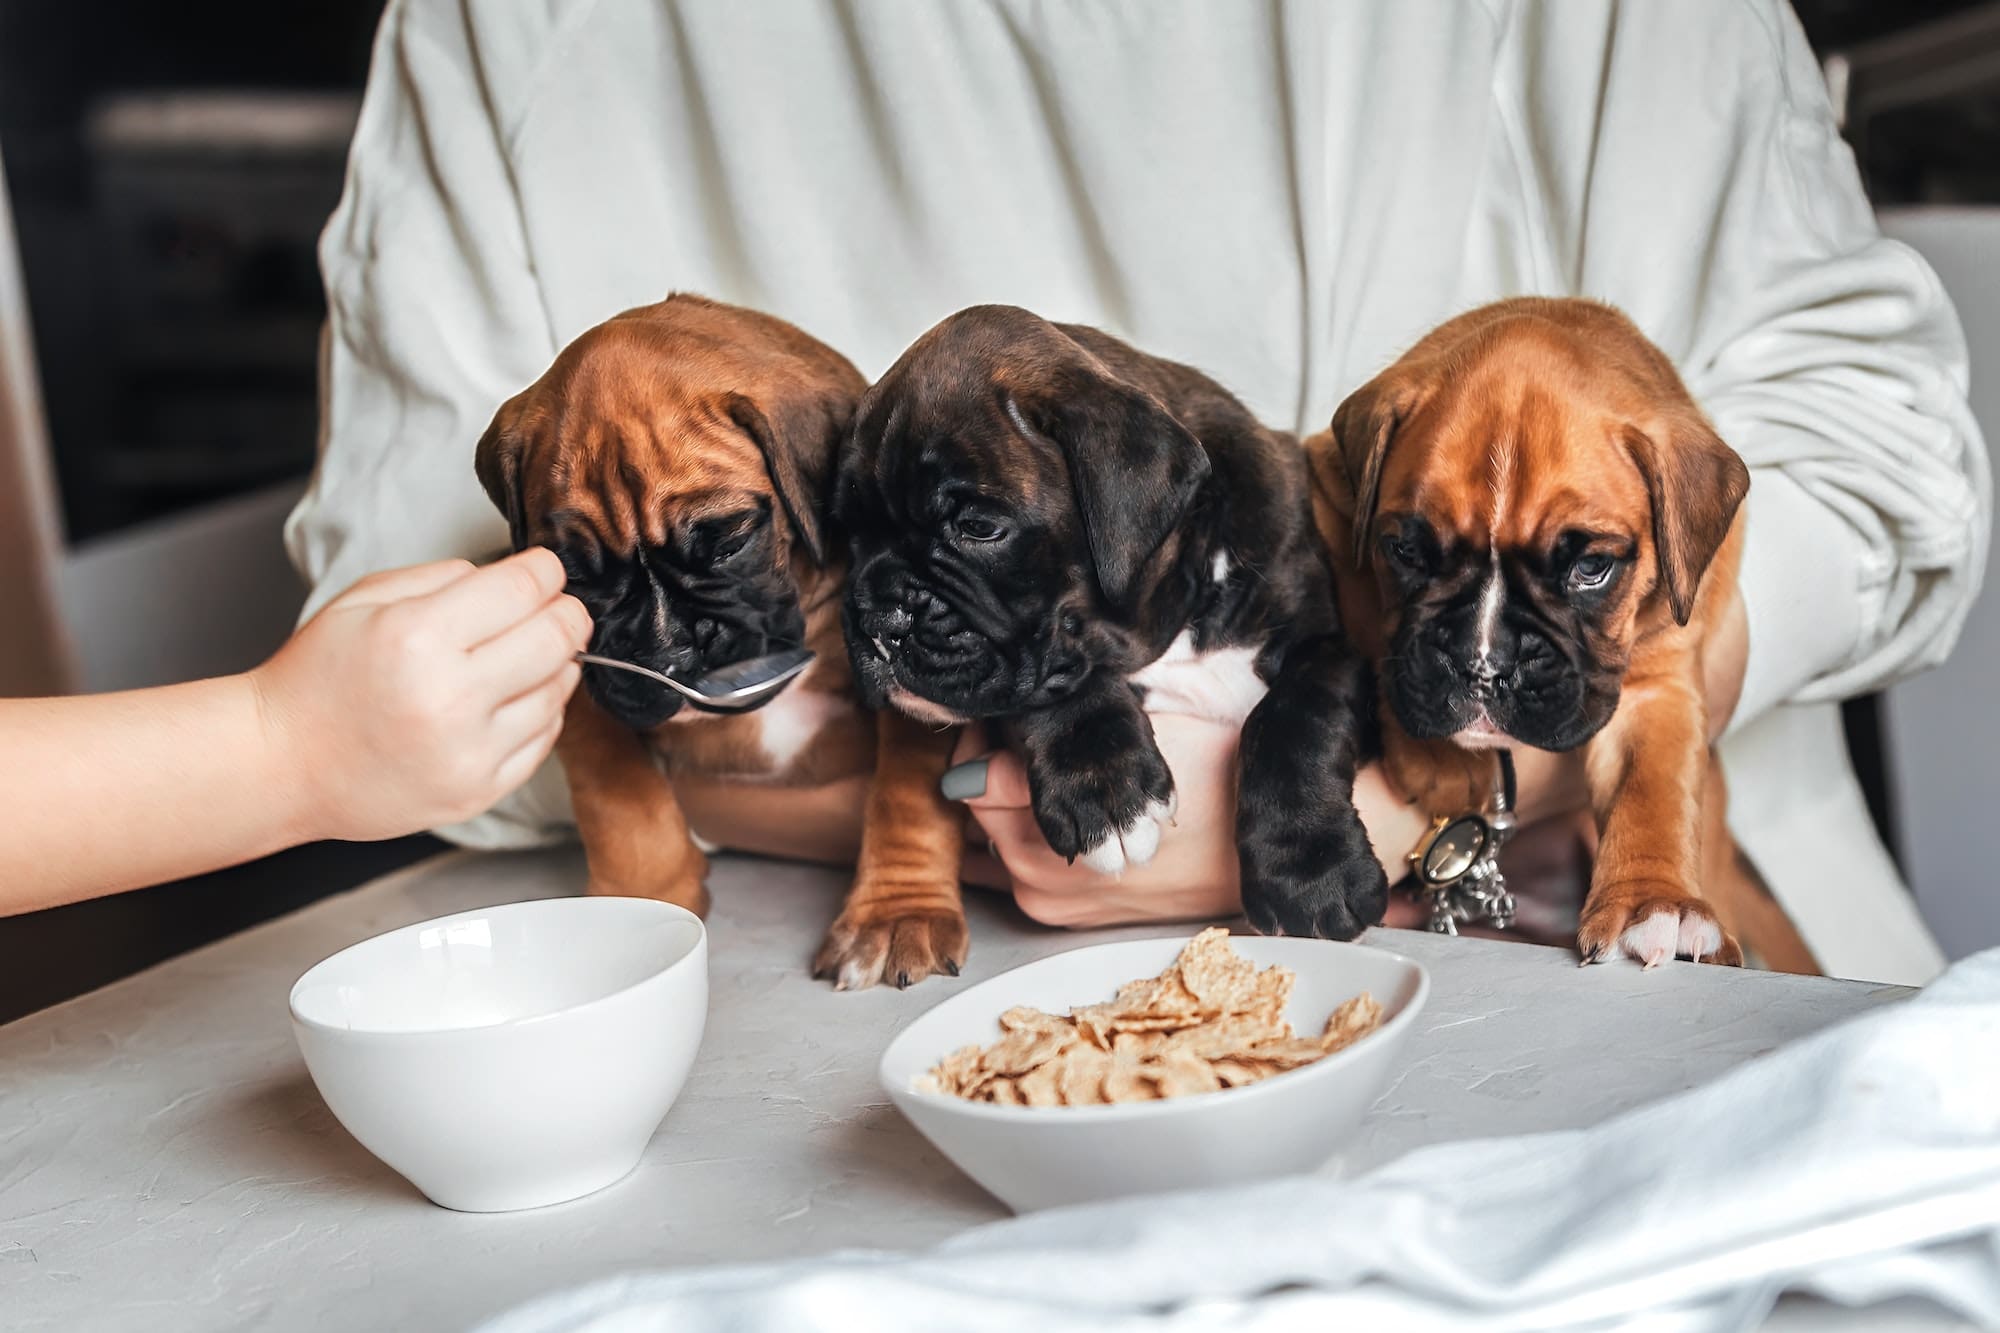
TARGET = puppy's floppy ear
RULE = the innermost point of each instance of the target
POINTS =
(497, 462)
(799, 435)
(1363, 426)
(1135, 469)
(1695, 482)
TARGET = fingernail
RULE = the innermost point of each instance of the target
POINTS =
(963, 782)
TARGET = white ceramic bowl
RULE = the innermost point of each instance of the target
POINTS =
(513, 1056)
(1042, 1157)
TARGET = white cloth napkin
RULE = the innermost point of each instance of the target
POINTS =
(1859, 1164)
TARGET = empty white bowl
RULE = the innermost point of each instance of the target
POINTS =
(1042, 1157)
(513, 1056)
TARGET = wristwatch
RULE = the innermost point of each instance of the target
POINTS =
(1456, 865)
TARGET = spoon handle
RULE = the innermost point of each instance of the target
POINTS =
(594, 660)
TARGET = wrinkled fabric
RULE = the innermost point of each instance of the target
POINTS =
(1860, 1164)
(1285, 194)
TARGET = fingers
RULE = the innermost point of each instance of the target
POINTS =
(981, 869)
(522, 658)
(994, 781)
(521, 719)
(1018, 842)
(393, 585)
(519, 766)
(973, 743)
(490, 601)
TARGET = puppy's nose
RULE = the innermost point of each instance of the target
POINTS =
(1491, 673)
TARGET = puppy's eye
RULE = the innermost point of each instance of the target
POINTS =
(1403, 552)
(1591, 571)
(730, 547)
(974, 528)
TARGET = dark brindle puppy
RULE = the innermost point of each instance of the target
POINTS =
(1052, 529)
(677, 459)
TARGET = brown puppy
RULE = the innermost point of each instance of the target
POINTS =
(677, 458)
(1534, 528)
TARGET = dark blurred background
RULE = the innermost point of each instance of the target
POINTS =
(170, 166)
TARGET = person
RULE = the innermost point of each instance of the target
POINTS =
(1285, 195)
(416, 697)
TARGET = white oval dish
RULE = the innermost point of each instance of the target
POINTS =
(512, 1056)
(1043, 1157)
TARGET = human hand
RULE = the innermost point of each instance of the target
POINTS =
(1194, 875)
(421, 696)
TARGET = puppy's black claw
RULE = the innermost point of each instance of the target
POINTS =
(902, 981)
(950, 967)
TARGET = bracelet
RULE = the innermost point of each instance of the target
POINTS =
(1457, 863)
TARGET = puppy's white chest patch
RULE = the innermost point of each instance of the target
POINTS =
(1221, 684)
(790, 721)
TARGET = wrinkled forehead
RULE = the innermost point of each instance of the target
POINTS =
(965, 434)
(628, 470)
(1513, 463)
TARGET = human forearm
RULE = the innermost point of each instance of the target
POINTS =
(418, 697)
(97, 790)
(820, 824)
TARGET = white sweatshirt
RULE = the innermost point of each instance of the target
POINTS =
(1284, 194)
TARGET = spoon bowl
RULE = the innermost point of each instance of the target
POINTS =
(736, 688)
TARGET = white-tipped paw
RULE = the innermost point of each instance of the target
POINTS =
(1664, 936)
(1135, 844)
(1655, 932)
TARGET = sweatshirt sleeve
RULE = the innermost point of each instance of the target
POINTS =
(1681, 161)
(434, 316)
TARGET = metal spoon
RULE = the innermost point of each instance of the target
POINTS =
(736, 688)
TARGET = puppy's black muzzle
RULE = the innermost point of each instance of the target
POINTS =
(904, 635)
(631, 700)
(693, 647)
(1440, 683)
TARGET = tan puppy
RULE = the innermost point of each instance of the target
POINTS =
(1534, 528)
(677, 459)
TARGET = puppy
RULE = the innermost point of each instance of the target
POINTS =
(1053, 530)
(677, 458)
(1534, 528)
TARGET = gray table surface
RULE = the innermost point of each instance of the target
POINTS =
(166, 1163)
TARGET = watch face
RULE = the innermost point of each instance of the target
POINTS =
(1455, 850)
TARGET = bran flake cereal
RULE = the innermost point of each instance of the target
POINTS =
(1211, 1021)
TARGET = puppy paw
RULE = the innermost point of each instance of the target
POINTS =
(1319, 883)
(1111, 816)
(1652, 925)
(1134, 843)
(868, 946)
